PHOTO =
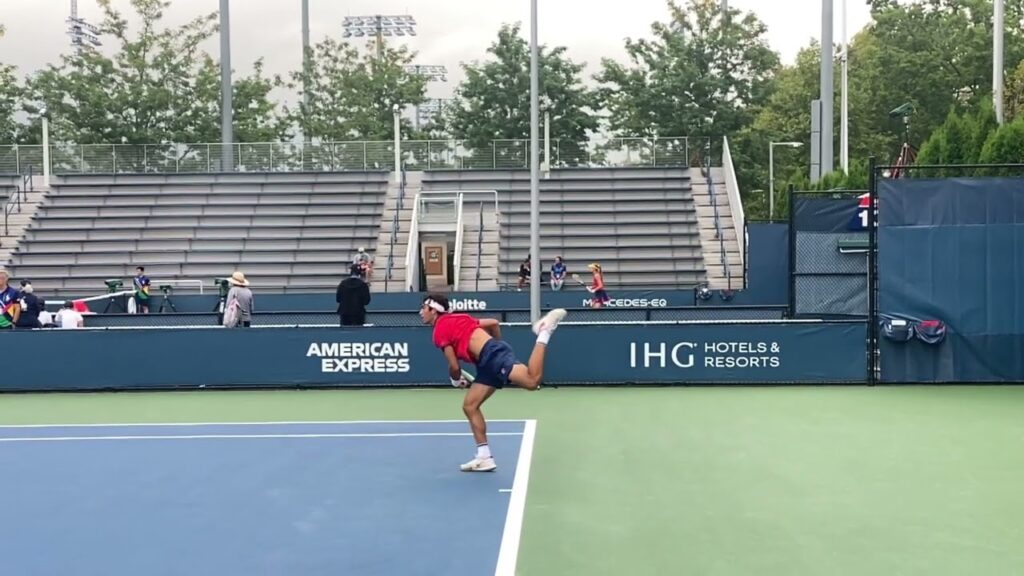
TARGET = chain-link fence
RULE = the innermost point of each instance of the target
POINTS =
(410, 319)
(341, 156)
(828, 254)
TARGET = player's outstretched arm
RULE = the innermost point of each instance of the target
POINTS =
(492, 327)
(454, 370)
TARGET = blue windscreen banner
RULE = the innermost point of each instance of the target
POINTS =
(767, 264)
(951, 251)
(689, 353)
(830, 264)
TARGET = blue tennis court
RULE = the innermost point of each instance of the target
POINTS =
(368, 498)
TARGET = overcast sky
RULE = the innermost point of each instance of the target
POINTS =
(449, 32)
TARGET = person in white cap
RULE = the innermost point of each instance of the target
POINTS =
(478, 341)
(364, 261)
(241, 294)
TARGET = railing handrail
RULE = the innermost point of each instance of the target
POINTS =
(706, 168)
(395, 223)
(732, 190)
(20, 195)
(198, 157)
(412, 249)
(479, 246)
(157, 281)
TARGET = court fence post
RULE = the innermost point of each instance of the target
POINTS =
(792, 253)
(872, 355)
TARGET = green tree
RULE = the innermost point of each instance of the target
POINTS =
(158, 87)
(493, 102)
(1005, 145)
(10, 98)
(961, 138)
(352, 93)
(698, 76)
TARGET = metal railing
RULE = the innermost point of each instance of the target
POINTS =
(410, 318)
(395, 223)
(479, 246)
(732, 190)
(723, 258)
(20, 196)
(342, 156)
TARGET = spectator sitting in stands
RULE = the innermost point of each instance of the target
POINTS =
(524, 274)
(557, 274)
(68, 318)
(46, 318)
(365, 263)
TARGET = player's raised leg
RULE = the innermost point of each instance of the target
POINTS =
(471, 407)
(531, 374)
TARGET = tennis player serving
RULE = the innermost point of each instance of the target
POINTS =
(478, 341)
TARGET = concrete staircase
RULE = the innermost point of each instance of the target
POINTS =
(474, 250)
(396, 250)
(711, 247)
(18, 219)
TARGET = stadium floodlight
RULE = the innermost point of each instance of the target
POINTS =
(84, 36)
(379, 26)
(433, 73)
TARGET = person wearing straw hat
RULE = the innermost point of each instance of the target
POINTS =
(241, 296)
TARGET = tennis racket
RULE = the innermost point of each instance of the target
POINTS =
(469, 377)
(577, 278)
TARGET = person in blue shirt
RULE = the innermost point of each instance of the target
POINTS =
(557, 273)
(141, 282)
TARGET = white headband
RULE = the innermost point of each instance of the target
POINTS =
(434, 305)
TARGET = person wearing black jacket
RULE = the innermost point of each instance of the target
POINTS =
(31, 306)
(353, 297)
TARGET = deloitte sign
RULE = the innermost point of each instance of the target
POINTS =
(467, 304)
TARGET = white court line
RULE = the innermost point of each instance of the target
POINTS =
(245, 436)
(273, 423)
(509, 551)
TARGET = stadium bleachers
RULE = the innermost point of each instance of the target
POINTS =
(286, 231)
(640, 224)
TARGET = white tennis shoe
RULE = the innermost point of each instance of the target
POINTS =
(550, 321)
(479, 465)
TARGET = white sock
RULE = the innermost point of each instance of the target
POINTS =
(543, 337)
(483, 451)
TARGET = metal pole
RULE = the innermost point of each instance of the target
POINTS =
(998, 29)
(226, 111)
(398, 143)
(844, 127)
(46, 152)
(534, 167)
(771, 180)
(380, 39)
(827, 161)
(547, 144)
(305, 68)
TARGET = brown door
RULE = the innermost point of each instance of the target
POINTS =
(434, 258)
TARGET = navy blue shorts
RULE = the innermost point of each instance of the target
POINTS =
(601, 296)
(494, 366)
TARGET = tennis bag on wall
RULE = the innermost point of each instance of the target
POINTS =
(905, 328)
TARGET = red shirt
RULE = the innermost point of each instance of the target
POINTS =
(454, 330)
